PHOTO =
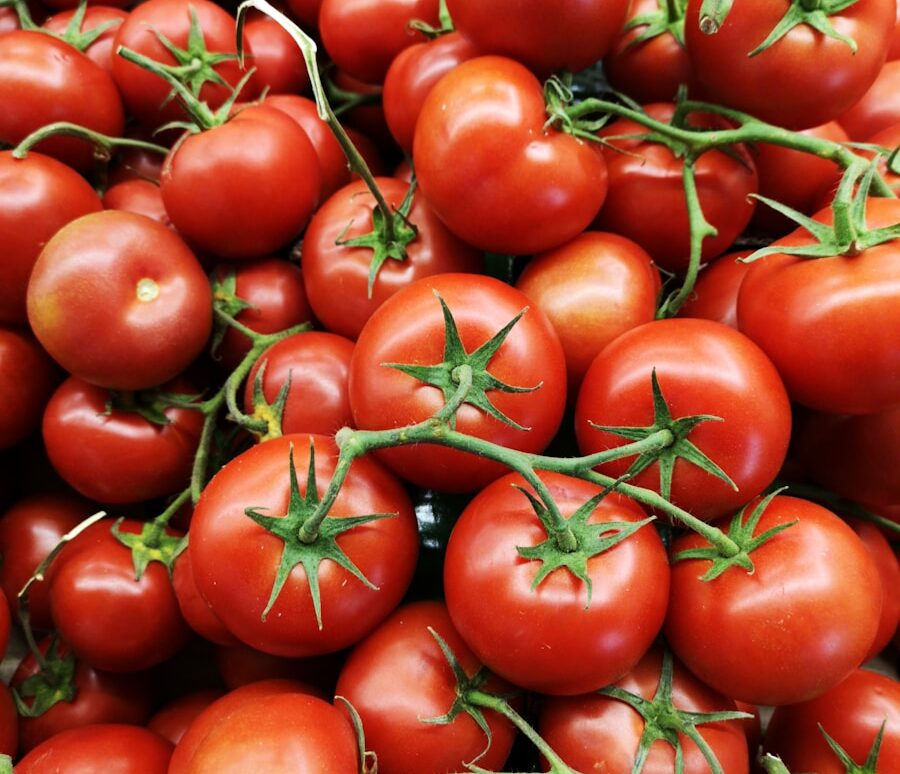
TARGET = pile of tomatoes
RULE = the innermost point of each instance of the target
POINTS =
(433, 409)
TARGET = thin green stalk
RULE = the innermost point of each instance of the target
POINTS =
(102, 141)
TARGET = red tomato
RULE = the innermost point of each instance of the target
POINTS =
(851, 713)
(409, 329)
(9, 723)
(398, 677)
(112, 747)
(545, 35)
(328, 264)
(647, 177)
(703, 367)
(794, 628)
(318, 366)
(111, 620)
(38, 196)
(593, 289)
(240, 665)
(877, 109)
(363, 36)
(27, 379)
(120, 301)
(238, 583)
(545, 638)
(140, 196)
(101, 49)
(194, 608)
(220, 200)
(830, 325)
(277, 58)
(48, 80)
(716, 291)
(103, 452)
(306, 12)
(4, 624)
(173, 720)
(480, 144)
(804, 79)
(599, 733)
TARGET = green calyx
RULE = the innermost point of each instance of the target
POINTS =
(55, 682)
(308, 538)
(389, 237)
(668, 18)
(266, 420)
(149, 404)
(227, 302)
(563, 115)
(82, 39)
(445, 23)
(590, 539)
(152, 543)
(679, 448)
(466, 369)
(664, 721)
(741, 534)
(851, 767)
(813, 13)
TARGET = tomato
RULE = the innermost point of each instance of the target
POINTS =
(120, 301)
(327, 264)
(235, 559)
(363, 36)
(273, 296)
(194, 608)
(409, 329)
(48, 80)
(29, 530)
(703, 368)
(480, 143)
(597, 732)
(318, 366)
(9, 723)
(108, 618)
(804, 79)
(145, 94)
(398, 677)
(545, 35)
(306, 12)
(107, 747)
(716, 291)
(38, 195)
(791, 630)
(27, 378)
(645, 176)
(278, 61)
(102, 450)
(140, 196)
(412, 74)
(593, 289)
(100, 697)
(241, 665)
(173, 720)
(851, 713)
(101, 49)
(877, 109)
(218, 198)
(4, 624)
(832, 331)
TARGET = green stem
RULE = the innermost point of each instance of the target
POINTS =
(103, 141)
(22, 12)
(160, 523)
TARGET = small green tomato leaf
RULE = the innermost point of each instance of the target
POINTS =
(51, 685)
(851, 766)
(816, 18)
(82, 39)
(320, 546)
(667, 18)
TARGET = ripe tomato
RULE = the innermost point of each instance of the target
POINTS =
(101, 49)
(236, 559)
(553, 638)
(176, 717)
(397, 677)
(796, 627)
(120, 301)
(27, 378)
(140, 196)
(716, 291)
(194, 608)
(328, 264)
(9, 723)
(4, 624)
(480, 144)
(703, 368)
(851, 713)
(830, 325)
(278, 61)
(877, 109)
(409, 329)
(804, 79)
(241, 665)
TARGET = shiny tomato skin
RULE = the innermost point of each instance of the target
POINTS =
(804, 79)
(553, 639)
(703, 367)
(796, 627)
(833, 330)
(328, 265)
(480, 143)
(101, 50)
(278, 60)
(241, 665)
(9, 723)
(545, 35)
(716, 291)
(194, 608)
(27, 379)
(398, 676)
(318, 366)
(113, 748)
(172, 720)
(598, 733)
(409, 328)
(140, 196)
(877, 109)
(48, 80)
(38, 196)
(237, 583)
(593, 289)
(219, 199)
(104, 455)
(120, 301)
(5, 621)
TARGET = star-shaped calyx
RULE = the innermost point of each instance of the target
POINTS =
(852, 767)
(309, 539)
(53, 683)
(680, 446)
(458, 364)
